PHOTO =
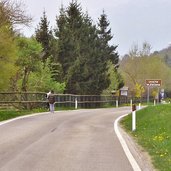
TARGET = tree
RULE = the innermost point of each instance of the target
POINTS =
(139, 90)
(8, 57)
(11, 15)
(68, 32)
(42, 80)
(12, 12)
(116, 80)
(136, 70)
(83, 61)
(43, 36)
(29, 57)
(145, 50)
(107, 53)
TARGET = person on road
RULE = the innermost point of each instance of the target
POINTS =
(47, 104)
(51, 99)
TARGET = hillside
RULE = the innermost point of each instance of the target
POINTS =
(166, 54)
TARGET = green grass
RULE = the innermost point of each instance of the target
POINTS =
(6, 114)
(153, 132)
(11, 113)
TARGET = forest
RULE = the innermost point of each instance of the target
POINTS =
(74, 57)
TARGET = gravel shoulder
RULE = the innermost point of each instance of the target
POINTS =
(141, 156)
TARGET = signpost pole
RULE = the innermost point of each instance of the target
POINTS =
(148, 94)
(158, 96)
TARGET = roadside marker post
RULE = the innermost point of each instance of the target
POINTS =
(117, 103)
(76, 103)
(133, 117)
(139, 106)
(131, 102)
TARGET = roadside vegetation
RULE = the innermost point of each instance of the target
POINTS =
(153, 133)
(6, 114)
(12, 113)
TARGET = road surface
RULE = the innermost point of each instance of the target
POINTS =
(78, 140)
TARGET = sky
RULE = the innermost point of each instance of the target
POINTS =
(131, 21)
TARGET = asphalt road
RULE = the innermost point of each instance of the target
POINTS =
(78, 140)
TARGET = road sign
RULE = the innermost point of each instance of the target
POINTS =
(153, 82)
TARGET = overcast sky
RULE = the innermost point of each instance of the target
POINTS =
(131, 21)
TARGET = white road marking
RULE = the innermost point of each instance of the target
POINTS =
(130, 157)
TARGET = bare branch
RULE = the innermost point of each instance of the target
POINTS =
(13, 12)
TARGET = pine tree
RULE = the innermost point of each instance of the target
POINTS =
(43, 36)
(61, 32)
(68, 25)
(108, 52)
(82, 52)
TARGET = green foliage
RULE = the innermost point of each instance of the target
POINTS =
(43, 36)
(165, 54)
(154, 133)
(8, 56)
(50, 47)
(137, 69)
(104, 33)
(29, 56)
(139, 90)
(11, 15)
(9, 114)
(42, 80)
(78, 52)
(116, 80)
(35, 75)
(84, 51)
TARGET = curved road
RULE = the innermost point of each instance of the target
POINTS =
(78, 140)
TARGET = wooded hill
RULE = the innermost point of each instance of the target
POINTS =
(166, 54)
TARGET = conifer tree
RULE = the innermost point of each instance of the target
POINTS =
(43, 36)
(82, 52)
(104, 33)
(108, 52)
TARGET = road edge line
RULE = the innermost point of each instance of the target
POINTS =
(129, 155)
(22, 117)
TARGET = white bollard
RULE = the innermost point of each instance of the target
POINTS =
(131, 102)
(76, 103)
(133, 117)
(154, 102)
(139, 106)
(116, 103)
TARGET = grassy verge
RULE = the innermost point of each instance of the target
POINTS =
(9, 114)
(6, 114)
(154, 133)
